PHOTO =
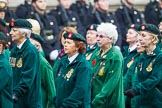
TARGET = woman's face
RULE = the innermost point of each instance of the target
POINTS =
(1, 48)
(146, 38)
(91, 37)
(70, 47)
(140, 48)
(131, 36)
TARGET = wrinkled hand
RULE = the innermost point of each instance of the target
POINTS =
(15, 98)
(130, 93)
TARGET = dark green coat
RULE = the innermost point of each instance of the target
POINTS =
(47, 83)
(149, 87)
(130, 80)
(73, 83)
(26, 76)
(90, 51)
(5, 83)
(128, 58)
(107, 84)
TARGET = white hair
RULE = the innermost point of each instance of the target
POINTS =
(109, 29)
(24, 30)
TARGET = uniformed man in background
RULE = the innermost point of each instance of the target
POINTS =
(127, 15)
(101, 14)
(66, 17)
(48, 25)
(83, 8)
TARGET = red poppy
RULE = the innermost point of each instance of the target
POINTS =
(93, 62)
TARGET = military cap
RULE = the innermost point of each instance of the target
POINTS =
(2, 36)
(74, 36)
(150, 28)
(136, 27)
(3, 5)
(37, 38)
(92, 27)
(20, 23)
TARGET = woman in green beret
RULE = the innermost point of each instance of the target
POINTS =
(148, 90)
(130, 50)
(91, 37)
(61, 52)
(5, 76)
(107, 64)
(74, 74)
(130, 78)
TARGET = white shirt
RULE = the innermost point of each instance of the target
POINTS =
(72, 58)
(19, 46)
(132, 48)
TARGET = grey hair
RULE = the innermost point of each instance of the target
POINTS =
(110, 30)
(24, 30)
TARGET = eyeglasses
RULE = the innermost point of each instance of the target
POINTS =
(101, 36)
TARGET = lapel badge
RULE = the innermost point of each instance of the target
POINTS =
(130, 63)
(101, 71)
(19, 63)
(68, 75)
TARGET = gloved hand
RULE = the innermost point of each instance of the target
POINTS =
(130, 93)
(15, 98)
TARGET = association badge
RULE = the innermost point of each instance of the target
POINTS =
(19, 63)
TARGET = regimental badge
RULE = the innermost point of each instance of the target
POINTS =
(12, 61)
(91, 27)
(101, 72)
(68, 75)
(19, 63)
(88, 56)
(149, 68)
(130, 62)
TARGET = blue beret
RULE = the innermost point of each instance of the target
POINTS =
(74, 36)
(150, 28)
(20, 23)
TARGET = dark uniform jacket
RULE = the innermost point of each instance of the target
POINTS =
(83, 10)
(125, 17)
(73, 83)
(66, 17)
(6, 82)
(149, 87)
(98, 17)
(26, 76)
(152, 13)
(128, 58)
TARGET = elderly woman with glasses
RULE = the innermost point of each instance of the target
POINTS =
(107, 64)
(148, 90)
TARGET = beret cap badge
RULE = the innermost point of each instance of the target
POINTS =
(143, 27)
(70, 34)
(91, 27)
(12, 23)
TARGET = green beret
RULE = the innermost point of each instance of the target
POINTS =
(2, 22)
(92, 27)
(74, 36)
(37, 38)
(150, 28)
(2, 36)
(20, 23)
(136, 27)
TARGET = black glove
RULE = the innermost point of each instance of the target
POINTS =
(15, 98)
(130, 93)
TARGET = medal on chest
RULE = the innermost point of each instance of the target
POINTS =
(12, 61)
(69, 73)
(19, 63)
(130, 62)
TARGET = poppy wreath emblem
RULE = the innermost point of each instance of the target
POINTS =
(93, 62)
